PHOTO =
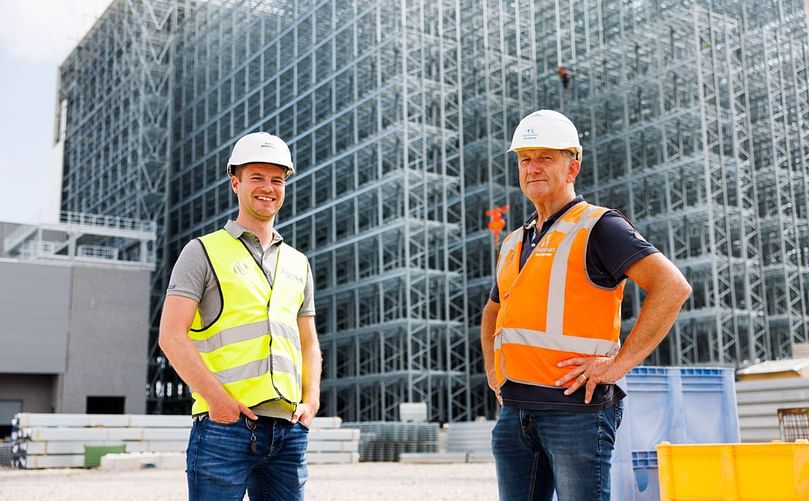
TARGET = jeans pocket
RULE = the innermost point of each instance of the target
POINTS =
(619, 413)
(219, 423)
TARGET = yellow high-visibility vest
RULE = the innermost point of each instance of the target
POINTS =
(550, 310)
(253, 347)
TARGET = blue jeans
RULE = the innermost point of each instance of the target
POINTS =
(220, 464)
(537, 452)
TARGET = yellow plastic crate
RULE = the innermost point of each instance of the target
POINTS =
(775, 471)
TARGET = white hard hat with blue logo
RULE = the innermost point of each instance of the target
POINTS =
(546, 129)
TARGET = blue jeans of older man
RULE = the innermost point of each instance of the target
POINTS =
(538, 452)
(222, 465)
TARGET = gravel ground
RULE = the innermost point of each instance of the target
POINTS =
(361, 481)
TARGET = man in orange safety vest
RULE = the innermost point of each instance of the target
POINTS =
(550, 329)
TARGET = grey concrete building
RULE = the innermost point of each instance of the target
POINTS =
(74, 303)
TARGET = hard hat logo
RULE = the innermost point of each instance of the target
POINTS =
(546, 129)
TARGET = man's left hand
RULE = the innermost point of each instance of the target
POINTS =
(304, 413)
(589, 372)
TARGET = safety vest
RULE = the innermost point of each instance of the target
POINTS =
(550, 310)
(253, 347)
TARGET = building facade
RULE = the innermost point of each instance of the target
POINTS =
(75, 315)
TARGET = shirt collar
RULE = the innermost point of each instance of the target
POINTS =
(531, 222)
(236, 231)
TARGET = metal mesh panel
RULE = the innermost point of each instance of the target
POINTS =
(793, 423)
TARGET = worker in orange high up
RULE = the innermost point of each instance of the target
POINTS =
(550, 330)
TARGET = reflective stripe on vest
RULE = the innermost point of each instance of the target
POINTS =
(550, 310)
(253, 347)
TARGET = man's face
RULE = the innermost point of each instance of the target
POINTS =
(260, 189)
(545, 173)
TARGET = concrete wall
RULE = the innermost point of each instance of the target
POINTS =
(35, 391)
(109, 337)
(35, 309)
(70, 331)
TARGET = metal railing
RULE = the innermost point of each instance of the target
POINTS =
(118, 222)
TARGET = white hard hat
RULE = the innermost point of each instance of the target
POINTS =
(261, 147)
(546, 129)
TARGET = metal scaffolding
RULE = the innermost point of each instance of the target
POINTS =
(399, 113)
(368, 96)
(694, 121)
(115, 88)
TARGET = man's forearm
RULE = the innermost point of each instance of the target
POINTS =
(312, 361)
(185, 360)
(665, 295)
(312, 367)
(488, 323)
(655, 319)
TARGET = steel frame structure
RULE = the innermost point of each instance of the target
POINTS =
(115, 89)
(693, 118)
(685, 115)
(370, 104)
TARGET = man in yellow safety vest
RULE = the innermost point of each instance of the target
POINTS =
(238, 327)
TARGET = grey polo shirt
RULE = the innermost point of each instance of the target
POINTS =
(193, 277)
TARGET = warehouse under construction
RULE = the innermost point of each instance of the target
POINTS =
(693, 116)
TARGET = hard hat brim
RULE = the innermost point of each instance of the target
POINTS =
(289, 170)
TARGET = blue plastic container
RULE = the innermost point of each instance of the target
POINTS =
(682, 405)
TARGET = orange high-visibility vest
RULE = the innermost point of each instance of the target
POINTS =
(550, 310)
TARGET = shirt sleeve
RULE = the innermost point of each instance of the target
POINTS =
(494, 294)
(307, 308)
(614, 246)
(191, 274)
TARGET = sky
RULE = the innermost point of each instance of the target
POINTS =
(35, 37)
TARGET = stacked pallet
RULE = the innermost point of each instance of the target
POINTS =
(466, 442)
(473, 437)
(66, 440)
(329, 443)
(62, 440)
(388, 440)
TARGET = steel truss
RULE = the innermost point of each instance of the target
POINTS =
(399, 113)
(684, 113)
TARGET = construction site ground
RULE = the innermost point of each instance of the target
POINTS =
(366, 481)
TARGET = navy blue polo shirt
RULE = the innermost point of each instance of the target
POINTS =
(614, 246)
